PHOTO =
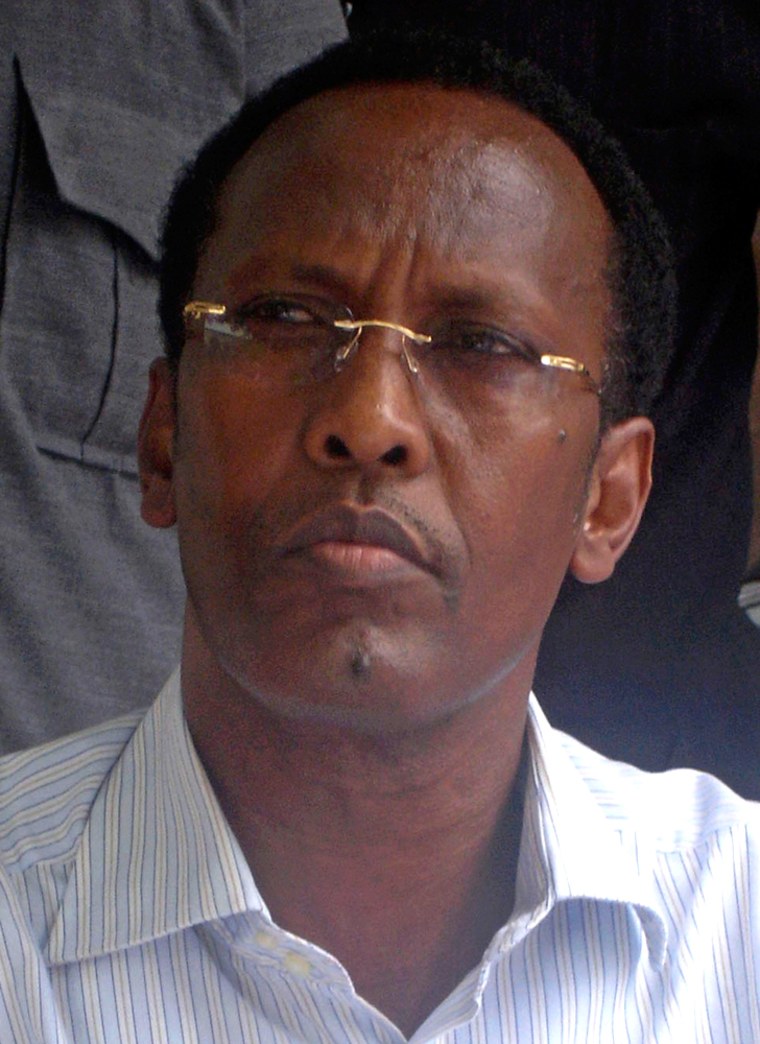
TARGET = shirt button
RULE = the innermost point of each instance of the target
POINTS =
(297, 964)
(265, 940)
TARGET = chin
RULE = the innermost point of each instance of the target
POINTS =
(356, 688)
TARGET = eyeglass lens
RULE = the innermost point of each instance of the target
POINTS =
(298, 340)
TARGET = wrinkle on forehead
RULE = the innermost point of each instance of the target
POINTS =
(457, 171)
(466, 172)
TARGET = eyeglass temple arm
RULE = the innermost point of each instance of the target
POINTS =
(564, 362)
(197, 309)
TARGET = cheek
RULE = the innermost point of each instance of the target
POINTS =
(233, 440)
(522, 464)
(521, 507)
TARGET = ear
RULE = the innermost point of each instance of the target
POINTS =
(618, 490)
(155, 448)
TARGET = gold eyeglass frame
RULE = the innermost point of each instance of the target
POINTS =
(198, 309)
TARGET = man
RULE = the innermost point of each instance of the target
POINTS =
(409, 339)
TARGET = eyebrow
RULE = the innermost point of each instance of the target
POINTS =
(490, 298)
(320, 276)
(498, 300)
(467, 299)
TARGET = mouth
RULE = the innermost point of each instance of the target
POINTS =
(359, 545)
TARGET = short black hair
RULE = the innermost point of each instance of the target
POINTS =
(639, 273)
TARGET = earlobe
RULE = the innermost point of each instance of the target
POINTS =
(155, 444)
(618, 491)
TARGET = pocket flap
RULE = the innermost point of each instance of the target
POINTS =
(108, 159)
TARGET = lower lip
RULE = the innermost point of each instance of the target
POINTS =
(360, 562)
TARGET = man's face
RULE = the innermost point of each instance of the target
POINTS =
(357, 549)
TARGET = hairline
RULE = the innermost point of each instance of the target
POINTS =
(612, 246)
(634, 362)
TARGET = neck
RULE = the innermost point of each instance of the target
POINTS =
(395, 853)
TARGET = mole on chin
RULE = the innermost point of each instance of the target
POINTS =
(361, 664)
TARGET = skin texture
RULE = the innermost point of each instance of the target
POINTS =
(370, 562)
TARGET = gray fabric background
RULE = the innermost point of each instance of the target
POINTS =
(100, 104)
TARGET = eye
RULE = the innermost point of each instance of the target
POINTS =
(475, 342)
(281, 323)
(286, 310)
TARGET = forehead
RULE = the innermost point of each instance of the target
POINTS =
(467, 180)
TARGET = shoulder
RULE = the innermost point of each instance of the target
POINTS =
(46, 793)
(674, 810)
(680, 852)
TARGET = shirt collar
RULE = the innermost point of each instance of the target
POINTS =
(573, 845)
(157, 854)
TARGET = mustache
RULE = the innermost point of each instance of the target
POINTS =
(381, 518)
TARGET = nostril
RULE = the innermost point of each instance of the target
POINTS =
(396, 455)
(336, 447)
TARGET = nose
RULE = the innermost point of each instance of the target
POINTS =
(369, 415)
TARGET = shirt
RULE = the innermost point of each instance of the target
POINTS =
(128, 913)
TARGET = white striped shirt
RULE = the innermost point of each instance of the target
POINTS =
(128, 913)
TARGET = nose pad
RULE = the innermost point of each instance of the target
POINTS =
(344, 353)
(370, 414)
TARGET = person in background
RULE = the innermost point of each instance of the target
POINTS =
(100, 106)
(660, 666)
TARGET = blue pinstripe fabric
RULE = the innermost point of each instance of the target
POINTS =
(128, 914)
